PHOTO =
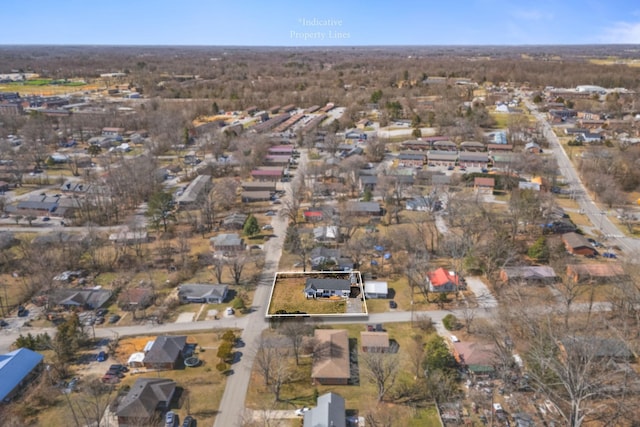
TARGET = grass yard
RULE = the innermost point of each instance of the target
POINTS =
(288, 295)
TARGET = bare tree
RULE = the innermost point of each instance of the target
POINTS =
(271, 361)
(381, 369)
(296, 331)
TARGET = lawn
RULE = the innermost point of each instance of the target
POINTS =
(288, 295)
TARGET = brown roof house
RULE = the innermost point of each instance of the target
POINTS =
(165, 353)
(374, 342)
(146, 401)
(530, 274)
(577, 244)
(484, 184)
(596, 273)
(331, 364)
(477, 357)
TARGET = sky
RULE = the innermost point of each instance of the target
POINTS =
(320, 22)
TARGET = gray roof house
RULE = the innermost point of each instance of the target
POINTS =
(83, 298)
(325, 288)
(330, 411)
(227, 242)
(541, 274)
(329, 259)
(202, 293)
(165, 352)
(364, 208)
(146, 401)
(194, 192)
(234, 221)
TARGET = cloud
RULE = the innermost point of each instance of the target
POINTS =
(622, 32)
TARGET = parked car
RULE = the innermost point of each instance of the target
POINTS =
(71, 385)
(393, 304)
(609, 255)
(171, 419)
(119, 368)
(267, 227)
(188, 421)
(300, 412)
(46, 218)
(102, 312)
(3, 323)
(110, 379)
(114, 318)
(22, 312)
(270, 213)
(99, 320)
(102, 356)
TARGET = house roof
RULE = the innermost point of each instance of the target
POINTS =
(471, 156)
(144, 397)
(165, 349)
(331, 355)
(226, 239)
(376, 287)
(94, 298)
(596, 270)
(575, 240)
(596, 346)
(195, 188)
(200, 290)
(314, 284)
(330, 411)
(474, 353)
(374, 339)
(14, 367)
(370, 207)
(136, 296)
(480, 181)
(267, 172)
(450, 156)
(441, 277)
(235, 219)
(539, 272)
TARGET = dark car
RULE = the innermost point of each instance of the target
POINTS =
(609, 255)
(101, 312)
(118, 368)
(102, 356)
(188, 421)
(392, 304)
(99, 320)
(22, 312)
(114, 318)
(3, 323)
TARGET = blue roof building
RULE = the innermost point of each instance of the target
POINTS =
(16, 369)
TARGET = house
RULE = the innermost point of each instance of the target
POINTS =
(589, 137)
(259, 186)
(473, 159)
(541, 274)
(442, 158)
(573, 347)
(195, 191)
(526, 185)
(418, 145)
(146, 402)
(272, 175)
(324, 259)
(125, 237)
(131, 299)
(442, 280)
(227, 242)
(423, 204)
(484, 184)
(477, 357)
(445, 145)
(577, 244)
(472, 146)
(331, 365)
(202, 293)
(596, 273)
(234, 221)
(532, 147)
(503, 160)
(411, 159)
(165, 353)
(86, 299)
(325, 288)
(367, 182)
(374, 342)
(326, 233)
(376, 289)
(499, 147)
(255, 196)
(329, 411)
(281, 150)
(364, 208)
(277, 160)
(318, 214)
(17, 368)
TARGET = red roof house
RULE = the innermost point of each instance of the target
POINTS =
(442, 280)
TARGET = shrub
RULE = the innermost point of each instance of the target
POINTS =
(451, 322)
(221, 367)
(238, 303)
(229, 336)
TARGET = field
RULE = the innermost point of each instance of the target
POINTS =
(45, 87)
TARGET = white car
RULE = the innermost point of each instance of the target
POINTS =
(300, 412)
(267, 227)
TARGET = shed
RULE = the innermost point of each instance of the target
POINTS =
(136, 360)
(376, 289)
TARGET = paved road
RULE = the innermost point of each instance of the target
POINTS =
(597, 215)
